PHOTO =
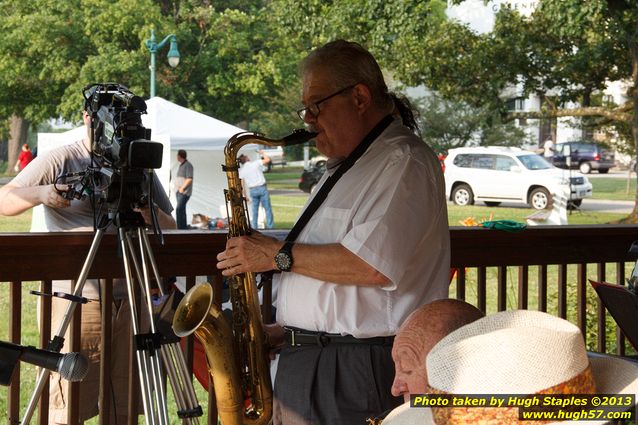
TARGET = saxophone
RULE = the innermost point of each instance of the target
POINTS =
(237, 353)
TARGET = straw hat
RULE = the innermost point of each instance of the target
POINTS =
(514, 352)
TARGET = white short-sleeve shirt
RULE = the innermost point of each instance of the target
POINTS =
(389, 209)
(252, 172)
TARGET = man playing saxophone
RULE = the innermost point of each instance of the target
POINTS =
(371, 246)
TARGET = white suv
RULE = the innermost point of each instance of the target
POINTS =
(276, 155)
(503, 174)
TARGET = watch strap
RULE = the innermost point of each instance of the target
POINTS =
(287, 248)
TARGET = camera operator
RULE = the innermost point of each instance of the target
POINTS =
(35, 185)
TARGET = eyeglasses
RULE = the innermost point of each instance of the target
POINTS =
(313, 108)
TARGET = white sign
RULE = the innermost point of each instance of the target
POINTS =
(524, 7)
(480, 16)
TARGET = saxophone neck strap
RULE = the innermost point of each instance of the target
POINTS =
(332, 180)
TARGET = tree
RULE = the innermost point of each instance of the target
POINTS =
(565, 52)
(50, 50)
(35, 49)
(397, 33)
(446, 125)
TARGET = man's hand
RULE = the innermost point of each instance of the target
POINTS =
(146, 213)
(275, 335)
(254, 253)
(50, 197)
(165, 220)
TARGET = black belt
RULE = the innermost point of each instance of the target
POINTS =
(299, 337)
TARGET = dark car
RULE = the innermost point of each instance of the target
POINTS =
(310, 177)
(585, 156)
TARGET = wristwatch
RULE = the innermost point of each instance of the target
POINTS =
(283, 258)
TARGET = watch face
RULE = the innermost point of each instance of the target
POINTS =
(283, 261)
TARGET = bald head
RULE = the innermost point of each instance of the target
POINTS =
(421, 331)
(440, 317)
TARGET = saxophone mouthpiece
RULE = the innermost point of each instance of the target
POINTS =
(299, 136)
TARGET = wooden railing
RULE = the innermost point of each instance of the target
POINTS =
(544, 268)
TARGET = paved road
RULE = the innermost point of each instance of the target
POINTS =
(624, 207)
(613, 173)
(600, 205)
(588, 205)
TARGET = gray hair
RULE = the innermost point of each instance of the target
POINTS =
(349, 63)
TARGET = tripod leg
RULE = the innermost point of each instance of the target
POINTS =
(172, 355)
(185, 397)
(155, 354)
(147, 247)
(57, 342)
(143, 362)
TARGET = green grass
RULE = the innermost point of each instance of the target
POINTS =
(284, 178)
(480, 213)
(512, 291)
(616, 189)
(286, 210)
(19, 223)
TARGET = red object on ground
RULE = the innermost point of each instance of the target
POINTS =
(200, 366)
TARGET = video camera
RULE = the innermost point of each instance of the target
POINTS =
(120, 147)
(119, 139)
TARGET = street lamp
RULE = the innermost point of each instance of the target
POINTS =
(173, 54)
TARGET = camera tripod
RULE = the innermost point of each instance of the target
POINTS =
(137, 258)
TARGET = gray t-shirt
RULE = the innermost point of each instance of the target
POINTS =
(44, 170)
(185, 171)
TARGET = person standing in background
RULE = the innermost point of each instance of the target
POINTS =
(184, 185)
(548, 149)
(24, 158)
(252, 173)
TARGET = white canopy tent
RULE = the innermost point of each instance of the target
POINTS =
(176, 127)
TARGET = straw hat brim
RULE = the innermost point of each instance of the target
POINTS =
(612, 375)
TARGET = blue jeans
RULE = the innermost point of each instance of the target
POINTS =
(259, 195)
(180, 210)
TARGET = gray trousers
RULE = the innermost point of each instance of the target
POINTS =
(336, 385)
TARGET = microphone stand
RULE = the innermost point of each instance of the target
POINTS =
(58, 340)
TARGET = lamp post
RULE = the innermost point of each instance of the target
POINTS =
(173, 54)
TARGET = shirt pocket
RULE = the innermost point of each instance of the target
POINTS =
(328, 225)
